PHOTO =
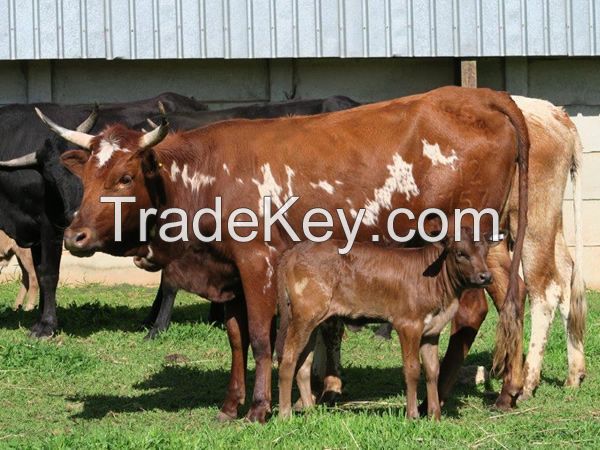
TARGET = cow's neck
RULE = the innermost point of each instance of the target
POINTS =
(444, 287)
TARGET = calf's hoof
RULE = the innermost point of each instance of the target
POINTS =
(42, 330)
(258, 413)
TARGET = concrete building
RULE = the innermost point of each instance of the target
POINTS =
(227, 52)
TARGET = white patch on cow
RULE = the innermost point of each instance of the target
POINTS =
(270, 272)
(353, 213)
(349, 201)
(106, 149)
(239, 181)
(323, 185)
(428, 319)
(174, 171)
(268, 188)
(290, 173)
(193, 182)
(150, 253)
(226, 169)
(401, 181)
(434, 153)
(299, 286)
(338, 182)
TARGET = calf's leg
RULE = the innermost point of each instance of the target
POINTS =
(165, 302)
(431, 364)
(410, 337)
(29, 280)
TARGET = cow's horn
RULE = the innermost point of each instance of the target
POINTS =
(151, 123)
(88, 124)
(27, 160)
(76, 137)
(153, 137)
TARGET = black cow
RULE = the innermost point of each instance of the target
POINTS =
(191, 120)
(36, 205)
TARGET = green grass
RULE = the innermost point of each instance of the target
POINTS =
(98, 384)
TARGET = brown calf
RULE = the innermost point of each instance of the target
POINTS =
(417, 290)
(29, 283)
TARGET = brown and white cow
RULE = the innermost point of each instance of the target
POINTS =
(448, 148)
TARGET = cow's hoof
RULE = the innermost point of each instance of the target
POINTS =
(42, 330)
(575, 380)
(258, 413)
(153, 333)
(223, 417)
(504, 403)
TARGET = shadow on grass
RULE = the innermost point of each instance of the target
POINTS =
(85, 319)
(176, 388)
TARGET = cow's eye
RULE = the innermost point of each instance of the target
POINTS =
(125, 179)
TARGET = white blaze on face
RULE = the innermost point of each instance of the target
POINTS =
(434, 153)
(194, 182)
(322, 184)
(106, 150)
(226, 169)
(268, 188)
(401, 181)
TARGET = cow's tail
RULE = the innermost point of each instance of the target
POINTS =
(509, 333)
(578, 307)
(283, 305)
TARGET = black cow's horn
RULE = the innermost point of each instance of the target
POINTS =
(151, 123)
(88, 124)
(27, 160)
(153, 137)
(76, 137)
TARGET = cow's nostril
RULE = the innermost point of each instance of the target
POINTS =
(485, 277)
(81, 236)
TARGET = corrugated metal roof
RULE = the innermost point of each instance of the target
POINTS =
(152, 29)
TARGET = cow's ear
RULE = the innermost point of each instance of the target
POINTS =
(151, 170)
(74, 160)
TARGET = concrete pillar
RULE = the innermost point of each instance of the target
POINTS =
(516, 76)
(39, 81)
(281, 79)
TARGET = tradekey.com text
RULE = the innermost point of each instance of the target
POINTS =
(317, 223)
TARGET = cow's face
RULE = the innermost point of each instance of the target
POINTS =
(116, 167)
(466, 258)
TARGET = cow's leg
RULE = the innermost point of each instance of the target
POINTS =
(410, 338)
(431, 364)
(163, 318)
(384, 331)
(258, 280)
(29, 280)
(24, 287)
(573, 312)
(499, 263)
(236, 322)
(471, 313)
(216, 314)
(150, 320)
(46, 259)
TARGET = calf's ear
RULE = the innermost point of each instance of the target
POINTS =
(74, 160)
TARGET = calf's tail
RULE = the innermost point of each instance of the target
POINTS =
(578, 307)
(509, 334)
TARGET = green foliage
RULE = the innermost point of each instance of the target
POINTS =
(99, 385)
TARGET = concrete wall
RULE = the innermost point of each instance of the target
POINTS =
(573, 83)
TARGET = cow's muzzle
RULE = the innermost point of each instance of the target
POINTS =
(81, 241)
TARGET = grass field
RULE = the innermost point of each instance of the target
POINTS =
(98, 384)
